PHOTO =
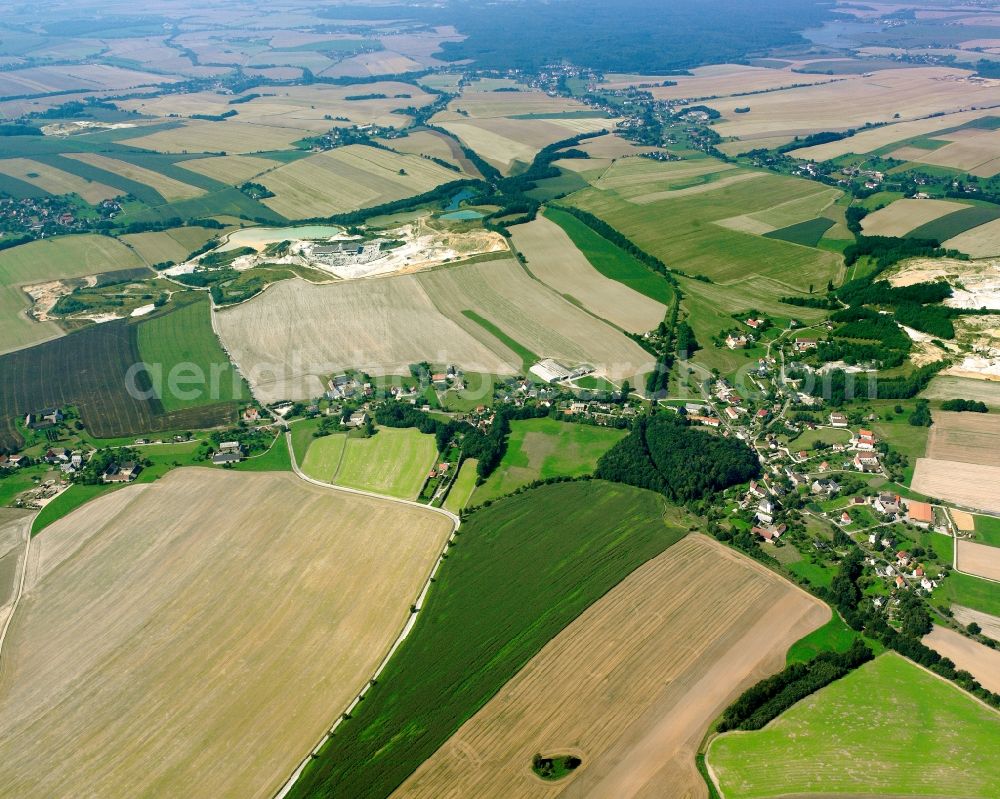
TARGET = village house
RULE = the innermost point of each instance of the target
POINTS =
(824, 486)
(902, 558)
(838, 420)
(737, 342)
(803, 344)
(121, 473)
(710, 421)
(865, 440)
(887, 503)
(845, 518)
(358, 419)
(43, 419)
(765, 511)
(866, 462)
(769, 534)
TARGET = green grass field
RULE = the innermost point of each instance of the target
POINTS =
(541, 448)
(988, 530)
(680, 230)
(323, 457)
(825, 434)
(968, 591)
(461, 490)
(183, 343)
(394, 461)
(276, 459)
(834, 636)
(888, 729)
(520, 571)
(806, 233)
(610, 260)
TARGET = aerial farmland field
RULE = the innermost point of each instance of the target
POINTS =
(630, 686)
(176, 244)
(981, 560)
(543, 448)
(292, 335)
(692, 242)
(323, 457)
(980, 661)
(902, 216)
(166, 187)
(55, 181)
(520, 572)
(218, 137)
(533, 315)
(813, 747)
(183, 339)
(348, 178)
(395, 461)
(179, 629)
(231, 169)
(50, 259)
(966, 437)
(554, 259)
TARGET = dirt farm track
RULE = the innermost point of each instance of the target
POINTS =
(194, 637)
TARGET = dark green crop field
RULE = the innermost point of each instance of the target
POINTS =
(90, 369)
(520, 571)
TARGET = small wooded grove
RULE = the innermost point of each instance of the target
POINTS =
(771, 697)
(665, 454)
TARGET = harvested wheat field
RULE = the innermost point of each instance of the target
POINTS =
(967, 437)
(868, 140)
(990, 624)
(289, 337)
(167, 187)
(533, 315)
(56, 181)
(974, 151)
(717, 80)
(231, 169)
(902, 216)
(555, 260)
(967, 484)
(220, 137)
(194, 637)
(980, 661)
(631, 686)
(349, 178)
(981, 560)
(912, 93)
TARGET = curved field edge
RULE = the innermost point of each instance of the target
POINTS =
(229, 599)
(518, 573)
(917, 735)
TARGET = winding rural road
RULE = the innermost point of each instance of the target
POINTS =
(410, 622)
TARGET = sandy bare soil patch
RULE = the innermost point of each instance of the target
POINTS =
(979, 559)
(980, 661)
(902, 216)
(555, 260)
(966, 484)
(294, 334)
(964, 520)
(911, 93)
(533, 315)
(204, 636)
(968, 437)
(631, 685)
(990, 624)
